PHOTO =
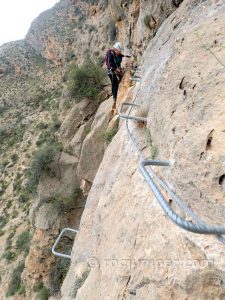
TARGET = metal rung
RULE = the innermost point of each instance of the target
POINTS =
(138, 69)
(57, 241)
(198, 227)
(135, 78)
(122, 115)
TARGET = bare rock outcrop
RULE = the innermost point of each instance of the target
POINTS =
(138, 22)
(60, 200)
(74, 146)
(77, 117)
(39, 262)
(94, 144)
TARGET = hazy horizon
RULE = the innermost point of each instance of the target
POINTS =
(17, 16)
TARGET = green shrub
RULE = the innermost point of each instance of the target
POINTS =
(3, 187)
(154, 152)
(92, 28)
(22, 290)
(147, 20)
(48, 136)
(4, 163)
(100, 60)
(87, 130)
(56, 123)
(38, 286)
(43, 294)
(70, 56)
(9, 139)
(8, 244)
(45, 137)
(16, 136)
(9, 255)
(86, 81)
(3, 109)
(154, 148)
(42, 126)
(108, 135)
(9, 204)
(14, 214)
(14, 157)
(4, 220)
(40, 163)
(92, 2)
(150, 22)
(17, 186)
(24, 196)
(23, 242)
(48, 101)
(3, 133)
(86, 53)
(68, 202)
(57, 275)
(96, 53)
(15, 282)
(12, 233)
(64, 204)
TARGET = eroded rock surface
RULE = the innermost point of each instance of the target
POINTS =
(127, 248)
(93, 146)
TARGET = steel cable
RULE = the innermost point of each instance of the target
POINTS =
(200, 227)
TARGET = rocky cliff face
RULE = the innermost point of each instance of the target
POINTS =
(55, 32)
(126, 248)
(96, 24)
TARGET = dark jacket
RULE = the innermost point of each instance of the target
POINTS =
(112, 60)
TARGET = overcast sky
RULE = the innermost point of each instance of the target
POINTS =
(17, 15)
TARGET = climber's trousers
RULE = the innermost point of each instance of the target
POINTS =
(115, 85)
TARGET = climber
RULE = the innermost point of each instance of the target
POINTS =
(113, 61)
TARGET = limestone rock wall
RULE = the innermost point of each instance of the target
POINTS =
(127, 248)
(55, 32)
(97, 25)
(138, 21)
(62, 193)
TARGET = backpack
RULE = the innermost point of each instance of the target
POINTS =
(106, 60)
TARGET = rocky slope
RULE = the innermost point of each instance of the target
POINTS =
(30, 90)
(124, 236)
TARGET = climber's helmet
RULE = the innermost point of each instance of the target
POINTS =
(118, 47)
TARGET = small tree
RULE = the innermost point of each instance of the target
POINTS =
(86, 81)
